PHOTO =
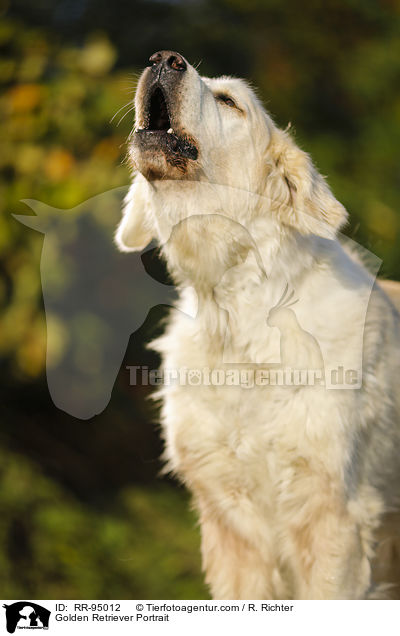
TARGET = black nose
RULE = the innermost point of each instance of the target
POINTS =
(169, 60)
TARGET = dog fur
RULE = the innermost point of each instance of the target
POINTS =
(294, 485)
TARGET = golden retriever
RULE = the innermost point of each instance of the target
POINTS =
(286, 425)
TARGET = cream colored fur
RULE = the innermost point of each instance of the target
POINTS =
(291, 484)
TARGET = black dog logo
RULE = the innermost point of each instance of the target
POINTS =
(27, 615)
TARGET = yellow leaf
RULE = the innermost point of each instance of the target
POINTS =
(24, 97)
(58, 164)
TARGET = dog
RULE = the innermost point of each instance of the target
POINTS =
(296, 484)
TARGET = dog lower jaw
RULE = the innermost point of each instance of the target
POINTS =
(156, 167)
(163, 155)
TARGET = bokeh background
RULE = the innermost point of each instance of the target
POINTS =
(84, 513)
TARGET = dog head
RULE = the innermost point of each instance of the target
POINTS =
(207, 146)
(192, 127)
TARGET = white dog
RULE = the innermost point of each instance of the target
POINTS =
(296, 475)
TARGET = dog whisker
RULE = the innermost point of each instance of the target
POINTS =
(122, 108)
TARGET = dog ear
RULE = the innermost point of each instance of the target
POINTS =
(298, 193)
(135, 232)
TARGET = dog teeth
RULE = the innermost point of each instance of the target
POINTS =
(170, 131)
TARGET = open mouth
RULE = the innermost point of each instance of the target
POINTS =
(158, 112)
(158, 130)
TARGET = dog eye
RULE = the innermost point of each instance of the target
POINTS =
(226, 100)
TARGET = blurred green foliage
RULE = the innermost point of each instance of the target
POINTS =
(79, 516)
(58, 146)
(141, 547)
